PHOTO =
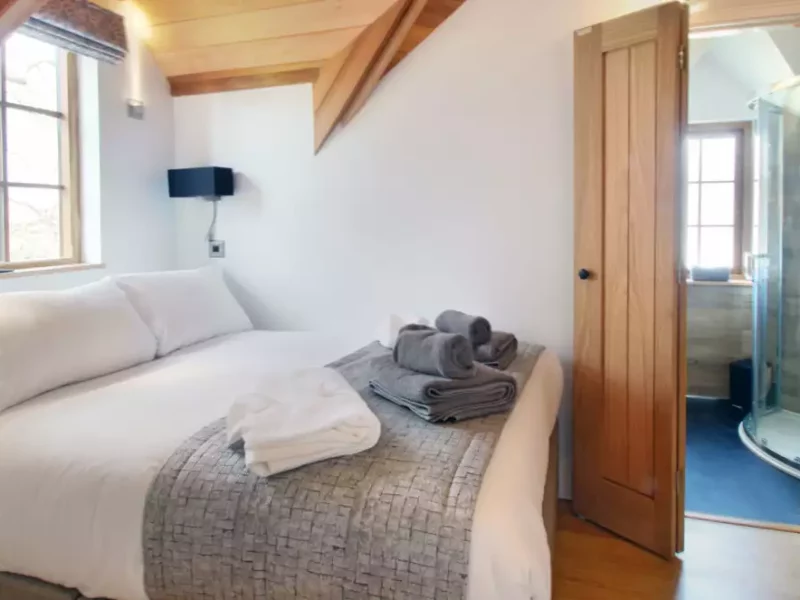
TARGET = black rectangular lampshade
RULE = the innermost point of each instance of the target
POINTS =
(203, 182)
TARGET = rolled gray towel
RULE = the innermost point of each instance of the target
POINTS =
(500, 352)
(438, 399)
(476, 329)
(427, 350)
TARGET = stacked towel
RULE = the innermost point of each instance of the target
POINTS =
(429, 351)
(476, 329)
(433, 372)
(437, 399)
(499, 352)
(300, 418)
(494, 349)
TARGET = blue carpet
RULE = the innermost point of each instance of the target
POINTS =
(724, 478)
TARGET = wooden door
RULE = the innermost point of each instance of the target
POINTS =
(630, 100)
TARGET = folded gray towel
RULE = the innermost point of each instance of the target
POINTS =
(476, 329)
(438, 399)
(500, 352)
(427, 350)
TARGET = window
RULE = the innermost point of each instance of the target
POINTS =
(39, 207)
(720, 159)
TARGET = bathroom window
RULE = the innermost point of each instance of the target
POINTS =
(39, 207)
(720, 158)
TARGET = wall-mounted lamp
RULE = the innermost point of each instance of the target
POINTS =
(211, 183)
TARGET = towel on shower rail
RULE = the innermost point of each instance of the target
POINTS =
(476, 329)
(438, 399)
(499, 352)
(427, 350)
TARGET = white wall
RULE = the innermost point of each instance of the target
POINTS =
(124, 173)
(715, 95)
(452, 188)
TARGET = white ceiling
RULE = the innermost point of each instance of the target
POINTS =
(757, 58)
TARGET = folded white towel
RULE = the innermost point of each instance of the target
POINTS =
(299, 418)
(390, 328)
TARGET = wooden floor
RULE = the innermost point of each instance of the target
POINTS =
(724, 562)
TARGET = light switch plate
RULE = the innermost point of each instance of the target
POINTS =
(136, 110)
(216, 249)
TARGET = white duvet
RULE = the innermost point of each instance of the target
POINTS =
(76, 464)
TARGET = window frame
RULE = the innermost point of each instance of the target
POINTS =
(69, 153)
(743, 207)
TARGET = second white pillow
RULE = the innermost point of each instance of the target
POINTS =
(185, 307)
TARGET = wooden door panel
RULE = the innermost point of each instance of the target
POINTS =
(641, 287)
(630, 95)
(615, 268)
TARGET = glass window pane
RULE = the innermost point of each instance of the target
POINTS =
(719, 159)
(694, 160)
(716, 247)
(718, 204)
(33, 219)
(33, 147)
(691, 248)
(32, 72)
(693, 217)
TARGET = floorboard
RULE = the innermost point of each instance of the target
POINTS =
(722, 561)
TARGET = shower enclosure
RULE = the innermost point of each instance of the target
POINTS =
(772, 429)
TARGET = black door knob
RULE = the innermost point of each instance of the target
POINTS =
(584, 274)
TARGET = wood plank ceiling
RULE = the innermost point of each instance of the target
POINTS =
(342, 47)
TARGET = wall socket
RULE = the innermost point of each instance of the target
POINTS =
(216, 249)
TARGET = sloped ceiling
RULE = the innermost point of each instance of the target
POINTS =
(787, 40)
(757, 58)
(343, 47)
(204, 45)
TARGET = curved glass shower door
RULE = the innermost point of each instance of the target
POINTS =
(772, 429)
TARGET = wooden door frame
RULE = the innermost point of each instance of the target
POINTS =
(726, 14)
(716, 15)
(646, 518)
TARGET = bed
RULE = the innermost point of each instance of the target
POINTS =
(76, 465)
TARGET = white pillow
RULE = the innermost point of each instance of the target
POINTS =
(52, 339)
(185, 307)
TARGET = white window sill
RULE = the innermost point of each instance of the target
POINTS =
(38, 271)
(735, 282)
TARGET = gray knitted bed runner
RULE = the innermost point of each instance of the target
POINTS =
(391, 523)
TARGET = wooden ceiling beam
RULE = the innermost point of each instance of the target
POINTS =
(299, 19)
(435, 13)
(14, 13)
(328, 75)
(365, 51)
(244, 79)
(313, 47)
(384, 61)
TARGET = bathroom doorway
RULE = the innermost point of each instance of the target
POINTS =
(743, 298)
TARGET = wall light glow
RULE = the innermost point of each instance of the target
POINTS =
(138, 29)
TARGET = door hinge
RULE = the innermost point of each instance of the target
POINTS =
(682, 58)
